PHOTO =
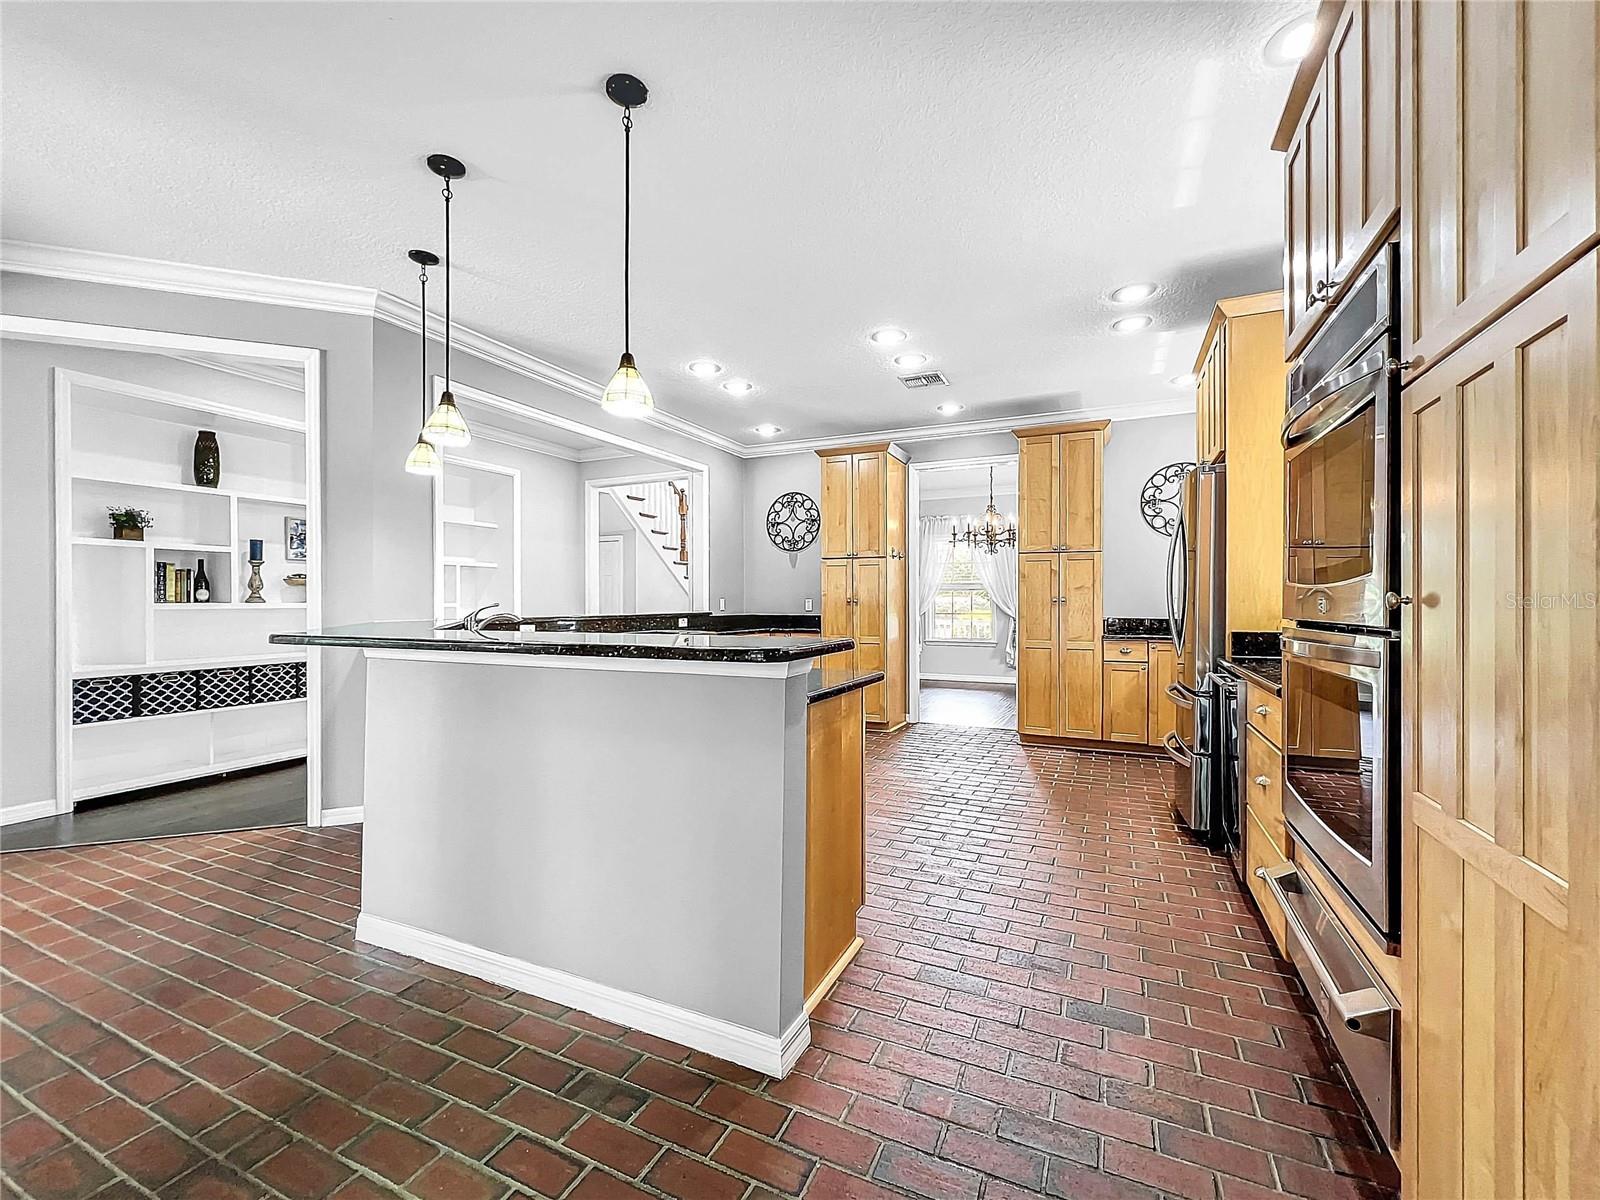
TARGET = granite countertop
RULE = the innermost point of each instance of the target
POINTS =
(1262, 672)
(700, 622)
(835, 676)
(1136, 628)
(693, 643)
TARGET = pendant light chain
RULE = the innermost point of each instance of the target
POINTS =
(423, 343)
(448, 263)
(627, 226)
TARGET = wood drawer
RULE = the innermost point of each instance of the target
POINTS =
(1127, 650)
(1266, 713)
(1261, 851)
(1263, 787)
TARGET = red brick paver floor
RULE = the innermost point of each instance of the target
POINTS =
(1059, 994)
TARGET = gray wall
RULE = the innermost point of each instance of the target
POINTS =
(1136, 555)
(777, 581)
(377, 537)
(979, 660)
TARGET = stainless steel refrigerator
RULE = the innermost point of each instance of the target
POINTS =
(1196, 580)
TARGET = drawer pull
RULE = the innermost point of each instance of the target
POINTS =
(1262, 781)
(1262, 710)
(1126, 650)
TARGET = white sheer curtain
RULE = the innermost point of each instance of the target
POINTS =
(999, 574)
(933, 546)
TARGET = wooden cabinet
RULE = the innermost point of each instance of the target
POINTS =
(1340, 138)
(1238, 418)
(1497, 159)
(865, 592)
(835, 838)
(1126, 701)
(1263, 786)
(1500, 738)
(1059, 484)
(1163, 674)
(1261, 850)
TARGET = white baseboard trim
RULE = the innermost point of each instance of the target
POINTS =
(343, 816)
(774, 1056)
(27, 812)
(1007, 679)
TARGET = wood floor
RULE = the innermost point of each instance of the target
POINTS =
(244, 800)
(975, 705)
(1060, 995)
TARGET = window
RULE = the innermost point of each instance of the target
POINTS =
(962, 609)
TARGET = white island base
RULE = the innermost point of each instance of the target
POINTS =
(622, 836)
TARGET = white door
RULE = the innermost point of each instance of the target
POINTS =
(610, 575)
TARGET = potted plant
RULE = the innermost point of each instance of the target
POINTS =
(129, 524)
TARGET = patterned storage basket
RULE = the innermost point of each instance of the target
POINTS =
(272, 681)
(223, 687)
(104, 698)
(168, 692)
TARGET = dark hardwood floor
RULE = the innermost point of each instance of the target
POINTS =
(243, 800)
(975, 705)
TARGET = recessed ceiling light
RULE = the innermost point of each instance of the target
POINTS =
(889, 336)
(738, 387)
(949, 408)
(705, 368)
(1132, 293)
(1289, 44)
(1131, 324)
(1184, 381)
(910, 360)
(768, 430)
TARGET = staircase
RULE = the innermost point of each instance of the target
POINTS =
(659, 511)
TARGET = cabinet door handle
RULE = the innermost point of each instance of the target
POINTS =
(1262, 710)
(1126, 650)
(1262, 781)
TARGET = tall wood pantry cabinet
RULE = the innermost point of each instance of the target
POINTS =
(1060, 613)
(864, 585)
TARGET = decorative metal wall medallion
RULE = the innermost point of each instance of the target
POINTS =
(793, 521)
(1158, 499)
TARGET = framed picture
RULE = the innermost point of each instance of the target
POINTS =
(294, 537)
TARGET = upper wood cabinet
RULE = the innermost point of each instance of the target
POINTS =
(865, 592)
(1060, 487)
(1497, 162)
(1211, 395)
(862, 515)
(1500, 739)
(1340, 138)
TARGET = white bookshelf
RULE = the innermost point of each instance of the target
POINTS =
(126, 444)
(477, 537)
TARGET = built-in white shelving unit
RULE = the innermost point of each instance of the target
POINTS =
(133, 722)
(477, 537)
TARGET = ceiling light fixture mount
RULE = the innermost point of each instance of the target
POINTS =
(445, 425)
(1184, 381)
(1132, 293)
(738, 387)
(907, 361)
(1131, 324)
(627, 395)
(1290, 43)
(767, 431)
(705, 368)
(887, 336)
(950, 408)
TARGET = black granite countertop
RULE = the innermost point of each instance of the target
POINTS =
(700, 622)
(1137, 627)
(836, 676)
(698, 641)
(1262, 672)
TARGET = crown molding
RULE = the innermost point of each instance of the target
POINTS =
(224, 283)
(949, 429)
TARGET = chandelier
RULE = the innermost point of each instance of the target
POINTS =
(990, 532)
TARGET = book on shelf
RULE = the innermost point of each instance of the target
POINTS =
(174, 584)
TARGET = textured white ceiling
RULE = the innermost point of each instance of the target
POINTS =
(977, 174)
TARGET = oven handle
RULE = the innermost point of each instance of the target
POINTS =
(1179, 753)
(1354, 1007)
(1374, 365)
(1350, 656)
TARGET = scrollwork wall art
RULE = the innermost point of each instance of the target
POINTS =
(793, 521)
(1160, 497)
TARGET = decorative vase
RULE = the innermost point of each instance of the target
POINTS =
(127, 533)
(207, 459)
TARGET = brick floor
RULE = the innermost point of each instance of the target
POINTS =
(1059, 994)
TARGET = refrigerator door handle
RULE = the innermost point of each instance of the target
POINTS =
(1180, 695)
(1176, 750)
(1175, 618)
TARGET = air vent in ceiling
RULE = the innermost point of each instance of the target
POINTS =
(926, 379)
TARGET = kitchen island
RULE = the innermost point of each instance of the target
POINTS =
(654, 820)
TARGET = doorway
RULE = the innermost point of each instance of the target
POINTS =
(963, 593)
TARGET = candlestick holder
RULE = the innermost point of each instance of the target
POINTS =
(256, 582)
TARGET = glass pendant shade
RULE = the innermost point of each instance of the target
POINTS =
(424, 459)
(446, 426)
(627, 395)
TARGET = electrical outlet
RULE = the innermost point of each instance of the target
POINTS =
(683, 622)
(808, 603)
(722, 604)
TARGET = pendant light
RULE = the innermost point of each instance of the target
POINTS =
(445, 425)
(992, 532)
(424, 459)
(627, 395)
